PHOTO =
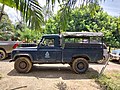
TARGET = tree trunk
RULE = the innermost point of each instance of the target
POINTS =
(1, 13)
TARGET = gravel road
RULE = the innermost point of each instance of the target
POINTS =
(50, 77)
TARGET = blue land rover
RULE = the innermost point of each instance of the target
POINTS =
(74, 48)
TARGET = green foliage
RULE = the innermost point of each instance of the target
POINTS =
(25, 34)
(110, 81)
(52, 27)
(31, 11)
(82, 19)
(28, 35)
(67, 6)
(6, 27)
(47, 12)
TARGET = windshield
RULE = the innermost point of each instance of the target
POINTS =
(47, 42)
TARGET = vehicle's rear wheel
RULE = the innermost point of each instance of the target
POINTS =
(2, 54)
(23, 65)
(102, 61)
(80, 65)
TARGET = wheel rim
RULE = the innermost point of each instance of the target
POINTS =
(23, 65)
(80, 66)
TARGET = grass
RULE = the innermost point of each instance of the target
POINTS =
(61, 86)
(110, 81)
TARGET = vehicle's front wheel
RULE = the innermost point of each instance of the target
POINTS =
(2, 55)
(80, 65)
(23, 65)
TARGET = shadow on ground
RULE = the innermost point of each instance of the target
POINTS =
(7, 59)
(65, 73)
(115, 61)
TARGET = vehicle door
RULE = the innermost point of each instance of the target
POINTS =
(48, 52)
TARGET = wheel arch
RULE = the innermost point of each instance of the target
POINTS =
(81, 56)
(2, 49)
(22, 55)
(4, 53)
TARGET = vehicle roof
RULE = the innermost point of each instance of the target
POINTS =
(76, 34)
(53, 35)
(81, 34)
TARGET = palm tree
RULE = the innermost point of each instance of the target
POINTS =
(32, 11)
(47, 13)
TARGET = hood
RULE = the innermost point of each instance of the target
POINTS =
(25, 48)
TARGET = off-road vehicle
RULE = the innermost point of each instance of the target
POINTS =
(74, 48)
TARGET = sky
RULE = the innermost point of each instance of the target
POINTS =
(13, 14)
(112, 7)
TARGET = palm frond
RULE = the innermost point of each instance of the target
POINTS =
(67, 7)
(30, 9)
(32, 13)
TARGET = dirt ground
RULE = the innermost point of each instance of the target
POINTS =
(51, 77)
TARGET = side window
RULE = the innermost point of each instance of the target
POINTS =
(95, 40)
(48, 42)
(76, 40)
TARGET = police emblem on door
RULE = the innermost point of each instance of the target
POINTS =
(47, 55)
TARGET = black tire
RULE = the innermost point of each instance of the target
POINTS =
(80, 65)
(2, 54)
(23, 65)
